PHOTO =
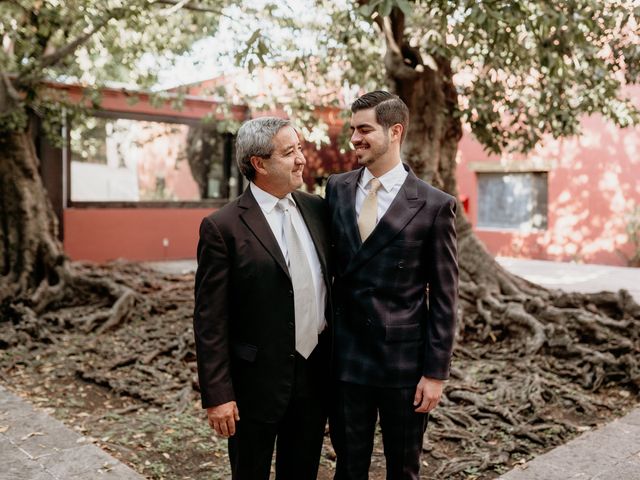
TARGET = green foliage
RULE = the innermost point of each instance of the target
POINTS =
(522, 69)
(531, 68)
(92, 43)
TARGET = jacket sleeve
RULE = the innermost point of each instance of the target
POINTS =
(443, 293)
(211, 317)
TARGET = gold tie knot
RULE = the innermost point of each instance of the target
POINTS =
(375, 185)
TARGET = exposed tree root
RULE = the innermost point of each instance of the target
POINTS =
(77, 300)
(35, 277)
(529, 371)
(532, 367)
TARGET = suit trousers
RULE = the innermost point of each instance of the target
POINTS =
(353, 420)
(297, 437)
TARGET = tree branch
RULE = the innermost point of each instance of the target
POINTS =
(10, 89)
(177, 5)
(395, 60)
(388, 35)
(57, 55)
(17, 4)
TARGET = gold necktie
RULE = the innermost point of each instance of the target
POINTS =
(369, 210)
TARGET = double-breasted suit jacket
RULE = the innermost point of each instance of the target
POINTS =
(388, 331)
(244, 312)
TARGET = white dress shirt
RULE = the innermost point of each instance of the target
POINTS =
(267, 203)
(391, 183)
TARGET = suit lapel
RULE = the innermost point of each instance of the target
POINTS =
(347, 209)
(313, 220)
(254, 219)
(403, 208)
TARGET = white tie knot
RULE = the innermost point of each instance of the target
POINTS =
(284, 204)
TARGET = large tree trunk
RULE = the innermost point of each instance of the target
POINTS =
(557, 348)
(31, 257)
(430, 149)
(35, 276)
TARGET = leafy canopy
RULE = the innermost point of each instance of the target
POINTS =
(522, 69)
(92, 43)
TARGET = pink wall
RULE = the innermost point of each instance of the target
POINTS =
(102, 234)
(594, 181)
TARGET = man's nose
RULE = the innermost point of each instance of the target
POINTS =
(300, 158)
(356, 138)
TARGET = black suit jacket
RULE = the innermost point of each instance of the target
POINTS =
(244, 313)
(388, 331)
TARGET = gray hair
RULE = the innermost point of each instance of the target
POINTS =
(255, 138)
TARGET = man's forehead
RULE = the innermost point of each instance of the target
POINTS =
(364, 118)
(286, 137)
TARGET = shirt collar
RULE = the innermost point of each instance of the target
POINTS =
(389, 180)
(266, 201)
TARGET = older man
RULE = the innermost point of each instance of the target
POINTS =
(260, 296)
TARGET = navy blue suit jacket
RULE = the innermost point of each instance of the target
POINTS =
(396, 293)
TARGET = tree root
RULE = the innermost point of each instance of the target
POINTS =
(529, 371)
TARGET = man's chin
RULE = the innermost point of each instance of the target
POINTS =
(364, 161)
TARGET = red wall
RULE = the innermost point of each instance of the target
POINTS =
(102, 234)
(594, 181)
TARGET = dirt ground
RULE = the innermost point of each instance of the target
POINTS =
(131, 391)
(158, 443)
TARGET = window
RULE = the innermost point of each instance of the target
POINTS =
(512, 200)
(149, 159)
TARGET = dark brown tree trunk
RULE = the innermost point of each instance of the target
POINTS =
(31, 256)
(557, 347)
(430, 149)
(35, 276)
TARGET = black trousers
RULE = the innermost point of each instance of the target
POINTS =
(353, 421)
(297, 437)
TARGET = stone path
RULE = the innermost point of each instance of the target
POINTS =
(611, 452)
(35, 446)
(575, 277)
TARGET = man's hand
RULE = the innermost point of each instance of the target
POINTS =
(223, 418)
(428, 393)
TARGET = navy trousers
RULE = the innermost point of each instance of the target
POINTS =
(353, 421)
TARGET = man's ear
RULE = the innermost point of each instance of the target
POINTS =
(396, 132)
(258, 165)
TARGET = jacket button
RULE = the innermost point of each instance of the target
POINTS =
(291, 324)
(368, 322)
(292, 355)
(291, 293)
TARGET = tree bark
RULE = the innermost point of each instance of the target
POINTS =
(31, 256)
(36, 279)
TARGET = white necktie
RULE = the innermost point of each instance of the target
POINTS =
(304, 297)
(369, 210)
